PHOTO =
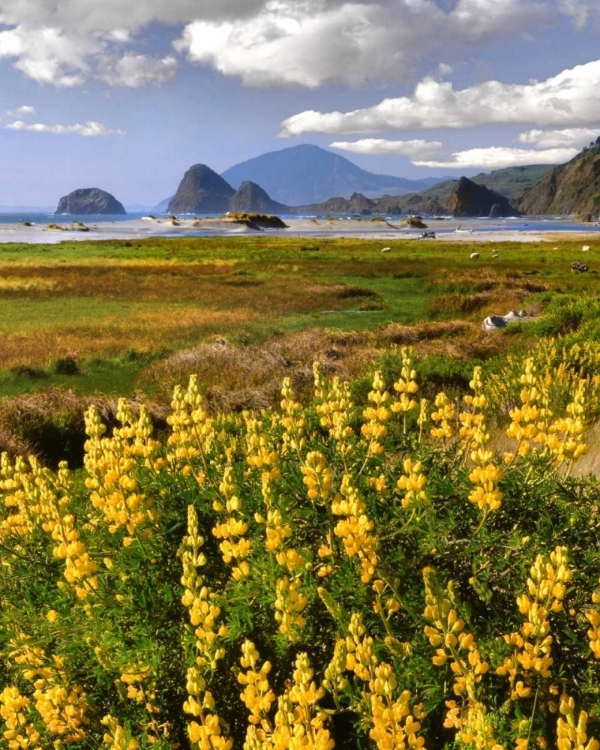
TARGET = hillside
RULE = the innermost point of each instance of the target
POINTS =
(305, 174)
(509, 182)
(572, 188)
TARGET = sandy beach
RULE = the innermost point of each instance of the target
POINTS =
(454, 230)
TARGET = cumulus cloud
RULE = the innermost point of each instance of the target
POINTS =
(311, 42)
(90, 16)
(265, 42)
(88, 129)
(416, 149)
(137, 70)
(569, 99)
(48, 55)
(498, 157)
(573, 137)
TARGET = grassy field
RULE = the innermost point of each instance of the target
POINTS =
(116, 308)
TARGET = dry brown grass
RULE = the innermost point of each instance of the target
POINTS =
(51, 424)
(239, 377)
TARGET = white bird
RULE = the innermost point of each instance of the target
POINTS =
(386, 249)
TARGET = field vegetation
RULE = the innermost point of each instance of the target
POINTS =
(318, 576)
(332, 511)
(109, 319)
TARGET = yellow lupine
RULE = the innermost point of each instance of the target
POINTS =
(355, 529)
(374, 429)
(532, 646)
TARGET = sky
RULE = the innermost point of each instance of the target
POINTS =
(125, 95)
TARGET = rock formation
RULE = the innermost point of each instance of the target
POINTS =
(356, 204)
(470, 199)
(89, 201)
(201, 191)
(251, 198)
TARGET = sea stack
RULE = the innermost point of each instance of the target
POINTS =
(201, 191)
(88, 201)
(250, 197)
(470, 199)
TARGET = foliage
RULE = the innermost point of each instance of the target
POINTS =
(305, 577)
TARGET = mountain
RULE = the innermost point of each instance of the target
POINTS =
(250, 197)
(305, 174)
(201, 191)
(572, 188)
(90, 201)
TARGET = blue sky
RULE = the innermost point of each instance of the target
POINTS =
(126, 95)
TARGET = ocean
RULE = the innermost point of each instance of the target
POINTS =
(51, 218)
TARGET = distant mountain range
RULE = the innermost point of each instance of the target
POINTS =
(263, 183)
(306, 174)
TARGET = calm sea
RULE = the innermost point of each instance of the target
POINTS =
(49, 218)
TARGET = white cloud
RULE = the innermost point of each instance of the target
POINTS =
(312, 42)
(498, 157)
(569, 99)
(137, 70)
(23, 111)
(48, 55)
(416, 149)
(104, 16)
(88, 129)
(266, 42)
(573, 137)
(299, 44)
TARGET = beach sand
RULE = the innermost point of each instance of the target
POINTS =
(470, 230)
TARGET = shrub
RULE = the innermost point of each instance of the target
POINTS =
(66, 365)
(372, 576)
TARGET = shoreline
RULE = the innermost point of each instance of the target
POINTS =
(470, 230)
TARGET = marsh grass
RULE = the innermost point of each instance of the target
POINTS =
(96, 300)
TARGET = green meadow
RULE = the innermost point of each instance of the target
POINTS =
(115, 307)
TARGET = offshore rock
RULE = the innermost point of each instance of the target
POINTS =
(201, 191)
(251, 198)
(90, 201)
(470, 199)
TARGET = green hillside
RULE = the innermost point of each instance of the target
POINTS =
(509, 182)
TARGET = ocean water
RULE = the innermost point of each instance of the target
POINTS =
(51, 218)
(450, 225)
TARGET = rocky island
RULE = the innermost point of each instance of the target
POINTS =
(251, 197)
(201, 191)
(87, 201)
